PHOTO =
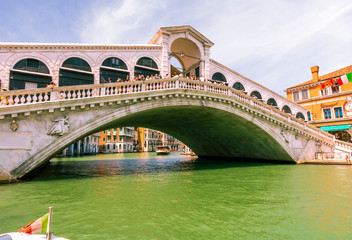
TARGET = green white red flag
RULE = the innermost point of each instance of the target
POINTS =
(36, 226)
(345, 79)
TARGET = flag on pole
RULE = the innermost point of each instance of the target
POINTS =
(327, 83)
(345, 79)
(36, 226)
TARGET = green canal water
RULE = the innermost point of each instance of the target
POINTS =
(144, 196)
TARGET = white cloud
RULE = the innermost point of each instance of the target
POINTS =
(273, 42)
(119, 21)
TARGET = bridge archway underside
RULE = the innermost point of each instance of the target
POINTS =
(212, 124)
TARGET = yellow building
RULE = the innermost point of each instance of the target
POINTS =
(330, 108)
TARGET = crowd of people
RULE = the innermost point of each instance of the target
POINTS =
(141, 77)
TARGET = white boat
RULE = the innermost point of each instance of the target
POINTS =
(162, 150)
(26, 236)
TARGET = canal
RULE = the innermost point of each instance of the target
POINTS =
(144, 196)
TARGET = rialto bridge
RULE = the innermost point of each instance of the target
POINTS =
(227, 115)
(212, 119)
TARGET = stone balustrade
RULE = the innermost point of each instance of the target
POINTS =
(40, 95)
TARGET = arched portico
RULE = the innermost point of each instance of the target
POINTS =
(188, 54)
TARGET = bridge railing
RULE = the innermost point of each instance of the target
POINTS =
(344, 146)
(32, 96)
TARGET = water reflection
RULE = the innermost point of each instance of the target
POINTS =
(131, 164)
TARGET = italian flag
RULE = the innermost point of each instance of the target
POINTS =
(345, 79)
(36, 226)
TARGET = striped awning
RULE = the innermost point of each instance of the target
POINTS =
(335, 128)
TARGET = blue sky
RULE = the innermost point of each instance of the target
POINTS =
(273, 42)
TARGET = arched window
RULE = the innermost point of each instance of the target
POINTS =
(29, 73)
(272, 102)
(75, 71)
(256, 94)
(77, 63)
(146, 66)
(300, 115)
(238, 86)
(31, 65)
(286, 109)
(113, 68)
(218, 77)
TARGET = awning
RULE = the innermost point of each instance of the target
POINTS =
(335, 128)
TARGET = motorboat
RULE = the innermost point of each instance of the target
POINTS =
(26, 236)
(162, 150)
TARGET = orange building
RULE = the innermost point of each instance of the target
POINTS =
(329, 105)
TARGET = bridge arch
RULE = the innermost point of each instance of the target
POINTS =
(188, 53)
(29, 73)
(243, 137)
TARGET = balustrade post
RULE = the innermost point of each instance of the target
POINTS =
(177, 83)
(143, 86)
(102, 91)
(53, 96)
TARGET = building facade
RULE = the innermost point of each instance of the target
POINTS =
(117, 140)
(35, 65)
(86, 146)
(328, 103)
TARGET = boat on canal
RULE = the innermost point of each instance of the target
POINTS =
(30, 231)
(162, 150)
(26, 236)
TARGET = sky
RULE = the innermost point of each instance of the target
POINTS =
(273, 42)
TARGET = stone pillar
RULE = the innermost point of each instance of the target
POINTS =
(5, 81)
(165, 60)
(206, 71)
(56, 76)
(96, 72)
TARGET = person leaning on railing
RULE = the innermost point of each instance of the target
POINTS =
(7, 98)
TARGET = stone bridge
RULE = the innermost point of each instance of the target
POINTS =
(213, 120)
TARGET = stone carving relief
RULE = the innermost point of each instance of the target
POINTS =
(61, 126)
(282, 132)
(14, 125)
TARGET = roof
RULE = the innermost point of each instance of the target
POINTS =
(187, 29)
(333, 74)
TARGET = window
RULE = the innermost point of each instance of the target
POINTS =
(295, 96)
(109, 138)
(324, 92)
(238, 86)
(327, 113)
(309, 116)
(335, 88)
(219, 77)
(338, 112)
(305, 94)
(103, 139)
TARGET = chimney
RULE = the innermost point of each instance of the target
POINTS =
(315, 73)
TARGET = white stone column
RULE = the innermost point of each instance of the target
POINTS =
(96, 72)
(206, 72)
(165, 61)
(56, 76)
